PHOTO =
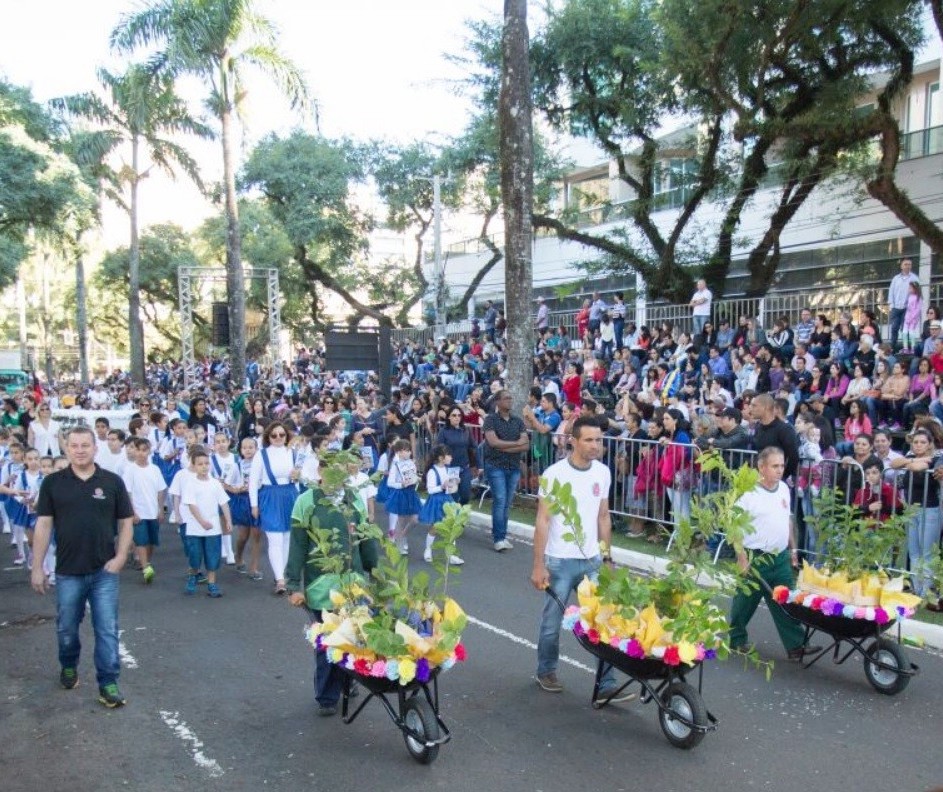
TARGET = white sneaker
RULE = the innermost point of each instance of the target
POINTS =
(19, 561)
(403, 548)
(503, 545)
(427, 555)
(52, 579)
(454, 560)
(6, 529)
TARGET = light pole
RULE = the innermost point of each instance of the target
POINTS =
(438, 272)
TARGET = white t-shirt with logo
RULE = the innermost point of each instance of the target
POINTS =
(144, 483)
(771, 518)
(590, 488)
(207, 495)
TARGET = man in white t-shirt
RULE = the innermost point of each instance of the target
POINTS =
(701, 306)
(770, 553)
(560, 565)
(113, 457)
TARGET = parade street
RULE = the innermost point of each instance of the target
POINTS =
(220, 697)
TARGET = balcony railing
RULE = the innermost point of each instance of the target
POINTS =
(921, 143)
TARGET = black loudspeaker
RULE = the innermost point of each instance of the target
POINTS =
(220, 324)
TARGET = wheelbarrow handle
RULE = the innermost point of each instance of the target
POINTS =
(553, 595)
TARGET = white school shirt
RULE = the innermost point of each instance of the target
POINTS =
(10, 470)
(144, 484)
(432, 484)
(114, 463)
(174, 445)
(207, 495)
(311, 468)
(176, 489)
(229, 473)
(282, 463)
(771, 518)
(29, 482)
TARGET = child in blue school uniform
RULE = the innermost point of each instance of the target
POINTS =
(402, 503)
(440, 484)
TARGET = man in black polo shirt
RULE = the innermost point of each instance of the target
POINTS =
(773, 432)
(83, 503)
(505, 441)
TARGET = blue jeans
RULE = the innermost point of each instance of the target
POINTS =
(100, 590)
(565, 575)
(503, 483)
(204, 549)
(328, 679)
(699, 322)
(897, 321)
(619, 327)
(923, 536)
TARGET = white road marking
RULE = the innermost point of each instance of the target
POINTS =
(127, 659)
(182, 731)
(524, 642)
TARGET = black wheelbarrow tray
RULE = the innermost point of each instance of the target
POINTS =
(886, 663)
(682, 713)
(416, 713)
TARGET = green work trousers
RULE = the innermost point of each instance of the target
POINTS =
(776, 570)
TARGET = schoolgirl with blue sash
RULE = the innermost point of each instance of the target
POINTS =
(440, 484)
(402, 503)
(241, 511)
(272, 495)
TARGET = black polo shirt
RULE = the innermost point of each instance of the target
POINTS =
(509, 430)
(84, 516)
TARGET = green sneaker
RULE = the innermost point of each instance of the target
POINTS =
(148, 573)
(69, 678)
(110, 696)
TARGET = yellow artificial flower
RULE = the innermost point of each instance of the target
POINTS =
(407, 670)
(652, 631)
(452, 611)
(687, 652)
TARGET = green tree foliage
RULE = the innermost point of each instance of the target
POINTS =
(41, 189)
(218, 42)
(764, 94)
(305, 182)
(164, 248)
(140, 110)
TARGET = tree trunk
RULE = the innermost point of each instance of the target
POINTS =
(517, 188)
(81, 313)
(135, 326)
(235, 278)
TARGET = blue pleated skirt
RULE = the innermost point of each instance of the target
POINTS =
(402, 501)
(433, 510)
(241, 511)
(275, 505)
(17, 512)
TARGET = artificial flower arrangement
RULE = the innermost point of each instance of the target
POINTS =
(387, 624)
(851, 577)
(670, 618)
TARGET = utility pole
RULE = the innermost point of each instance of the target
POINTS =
(438, 272)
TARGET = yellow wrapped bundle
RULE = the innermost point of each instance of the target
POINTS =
(650, 629)
(344, 637)
(893, 595)
(839, 587)
(415, 643)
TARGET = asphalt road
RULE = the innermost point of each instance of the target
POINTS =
(220, 697)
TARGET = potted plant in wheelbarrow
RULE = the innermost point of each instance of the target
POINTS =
(659, 629)
(391, 632)
(854, 591)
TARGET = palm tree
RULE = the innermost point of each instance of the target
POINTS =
(143, 110)
(217, 41)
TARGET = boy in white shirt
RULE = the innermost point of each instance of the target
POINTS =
(174, 492)
(146, 488)
(203, 503)
(224, 467)
(113, 457)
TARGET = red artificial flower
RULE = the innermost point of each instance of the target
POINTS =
(781, 594)
(460, 652)
(593, 636)
(672, 657)
(362, 667)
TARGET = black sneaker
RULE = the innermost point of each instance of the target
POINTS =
(326, 710)
(549, 682)
(608, 695)
(69, 678)
(110, 696)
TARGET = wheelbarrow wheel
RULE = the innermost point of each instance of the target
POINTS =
(681, 700)
(890, 680)
(418, 716)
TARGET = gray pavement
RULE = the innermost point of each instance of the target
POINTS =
(220, 697)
